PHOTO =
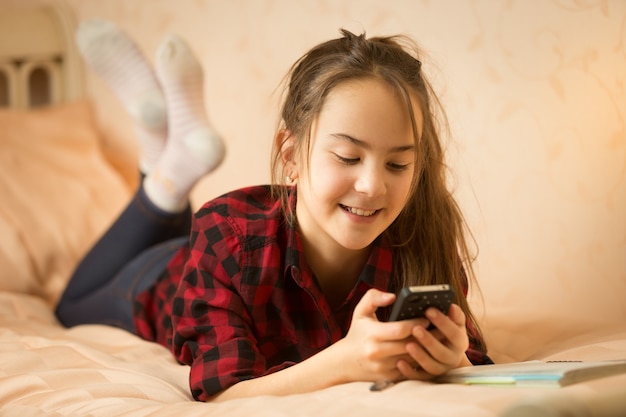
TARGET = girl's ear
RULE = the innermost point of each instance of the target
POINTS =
(285, 142)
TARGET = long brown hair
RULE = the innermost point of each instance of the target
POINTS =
(429, 238)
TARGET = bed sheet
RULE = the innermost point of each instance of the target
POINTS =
(96, 370)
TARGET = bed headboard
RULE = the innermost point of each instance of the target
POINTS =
(39, 62)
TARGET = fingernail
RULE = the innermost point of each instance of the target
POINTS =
(387, 296)
(431, 313)
(423, 323)
(419, 332)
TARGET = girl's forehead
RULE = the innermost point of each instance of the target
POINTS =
(369, 106)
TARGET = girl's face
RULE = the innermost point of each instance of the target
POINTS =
(361, 166)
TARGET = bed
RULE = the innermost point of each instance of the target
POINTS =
(60, 190)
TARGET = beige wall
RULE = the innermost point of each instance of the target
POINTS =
(535, 91)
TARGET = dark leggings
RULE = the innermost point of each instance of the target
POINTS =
(128, 259)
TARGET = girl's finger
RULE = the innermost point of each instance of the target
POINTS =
(451, 327)
(371, 301)
(413, 372)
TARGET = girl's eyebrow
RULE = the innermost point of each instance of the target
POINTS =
(365, 145)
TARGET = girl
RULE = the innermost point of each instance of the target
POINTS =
(284, 289)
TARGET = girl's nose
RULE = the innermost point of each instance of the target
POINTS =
(370, 181)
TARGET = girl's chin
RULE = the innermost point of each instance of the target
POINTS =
(356, 244)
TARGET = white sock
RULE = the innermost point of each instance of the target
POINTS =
(193, 148)
(113, 55)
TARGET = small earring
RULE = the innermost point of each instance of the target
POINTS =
(289, 180)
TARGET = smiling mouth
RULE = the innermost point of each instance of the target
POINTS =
(358, 211)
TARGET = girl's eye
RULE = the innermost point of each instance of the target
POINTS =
(347, 161)
(397, 167)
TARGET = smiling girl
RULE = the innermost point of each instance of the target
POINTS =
(281, 289)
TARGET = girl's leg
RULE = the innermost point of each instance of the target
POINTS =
(125, 261)
(193, 149)
(117, 60)
(134, 252)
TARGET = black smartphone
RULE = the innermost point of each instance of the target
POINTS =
(413, 301)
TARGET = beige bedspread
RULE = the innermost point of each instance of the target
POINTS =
(103, 371)
(59, 192)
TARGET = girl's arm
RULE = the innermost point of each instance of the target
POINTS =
(371, 351)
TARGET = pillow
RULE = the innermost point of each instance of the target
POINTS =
(58, 195)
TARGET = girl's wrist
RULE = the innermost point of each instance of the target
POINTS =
(340, 356)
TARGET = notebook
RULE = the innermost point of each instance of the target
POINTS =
(534, 373)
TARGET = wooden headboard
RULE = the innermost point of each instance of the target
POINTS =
(39, 62)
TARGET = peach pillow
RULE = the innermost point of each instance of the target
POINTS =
(58, 195)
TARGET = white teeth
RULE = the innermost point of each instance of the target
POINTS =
(359, 212)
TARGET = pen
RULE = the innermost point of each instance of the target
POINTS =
(381, 385)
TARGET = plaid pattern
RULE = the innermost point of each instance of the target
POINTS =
(240, 302)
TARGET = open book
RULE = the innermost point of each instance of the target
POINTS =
(534, 373)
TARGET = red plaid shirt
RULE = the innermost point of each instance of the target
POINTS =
(241, 302)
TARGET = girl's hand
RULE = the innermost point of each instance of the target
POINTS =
(373, 349)
(437, 351)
